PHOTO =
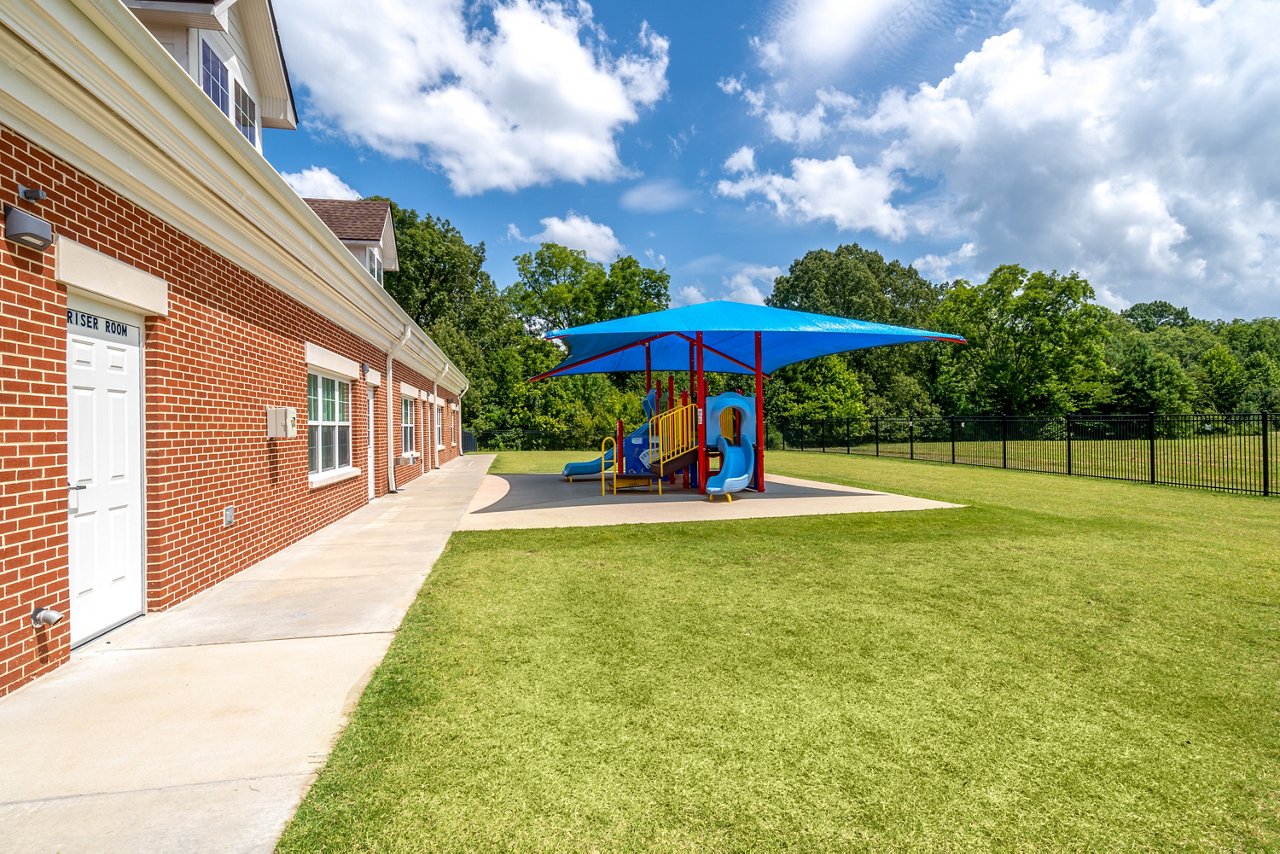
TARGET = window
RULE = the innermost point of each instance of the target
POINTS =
(439, 426)
(328, 423)
(407, 410)
(375, 263)
(214, 79)
(246, 115)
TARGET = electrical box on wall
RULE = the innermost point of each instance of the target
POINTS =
(282, 422)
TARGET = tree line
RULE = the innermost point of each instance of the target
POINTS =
(1037, 343)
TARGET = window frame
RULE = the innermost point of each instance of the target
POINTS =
(439, 426)
(249, 129)
(318, 425)
(209, 81)
(408, 427)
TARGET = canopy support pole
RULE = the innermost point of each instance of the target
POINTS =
(702, 417)
(759, 415)
(648, 369)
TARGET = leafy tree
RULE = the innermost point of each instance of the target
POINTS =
(1150, 380)
(855, 282)
(559, 288)
(1222, 379)
(1147, 316)
(1262, 391)
(1035, 344)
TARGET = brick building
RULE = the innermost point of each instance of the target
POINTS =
(188, 303)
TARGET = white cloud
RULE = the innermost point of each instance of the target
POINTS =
(533, 99)
(317, 182)
(657, 197)
(1134, 148)
(688, 295)
(817, 37)
(939, 268)
(742, 160)
(576, 232)
(730, 85)
(838, 190)
(752, 283)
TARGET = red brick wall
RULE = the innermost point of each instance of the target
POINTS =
(230, 346)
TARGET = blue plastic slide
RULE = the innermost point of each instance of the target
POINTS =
(738, 463)
(590, 467)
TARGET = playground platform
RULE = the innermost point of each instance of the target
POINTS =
(547, 501)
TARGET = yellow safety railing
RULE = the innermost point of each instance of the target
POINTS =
(604, 467)
(671, 434)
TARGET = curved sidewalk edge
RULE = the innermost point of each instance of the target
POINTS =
(200, 728)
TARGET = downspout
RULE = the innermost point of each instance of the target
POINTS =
(435, 425)
(391, 421)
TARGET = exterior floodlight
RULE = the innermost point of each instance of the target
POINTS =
(27, 229)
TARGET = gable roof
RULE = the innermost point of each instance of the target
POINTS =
(352, 219)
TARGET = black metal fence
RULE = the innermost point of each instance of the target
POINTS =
(516, 439)
(1232, 453)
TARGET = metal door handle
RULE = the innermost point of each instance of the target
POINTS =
(71, 488)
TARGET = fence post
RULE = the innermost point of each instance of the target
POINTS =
(1266, 456)
(824, 435)
(911, 433)
(952, 418)
(1151, 443)
(1004, 440)
(1068, 417)
(877, 418)
(848, 446)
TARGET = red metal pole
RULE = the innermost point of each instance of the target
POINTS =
(671, 392)
(648, 370)
(702, 420)
(684, 401)
(618, 456)
(759, 415)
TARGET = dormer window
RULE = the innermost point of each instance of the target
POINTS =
(375, 263)
(246, 115)
(214, 78)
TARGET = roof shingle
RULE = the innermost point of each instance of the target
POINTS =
(352, 219)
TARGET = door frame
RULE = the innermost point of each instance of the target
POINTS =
(92, 304)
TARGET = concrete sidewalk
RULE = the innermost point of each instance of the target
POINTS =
(200, 728)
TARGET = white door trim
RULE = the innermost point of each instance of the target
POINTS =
(369, 453)
(91, 323)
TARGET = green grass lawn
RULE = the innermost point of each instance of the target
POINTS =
(1064, 664)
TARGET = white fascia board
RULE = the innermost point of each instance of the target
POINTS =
(390, 258)
(85, 80)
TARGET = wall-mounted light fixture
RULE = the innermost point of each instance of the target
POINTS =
(32, 194)
(27, 229)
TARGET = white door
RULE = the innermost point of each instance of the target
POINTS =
(104, 467)
(369, 461)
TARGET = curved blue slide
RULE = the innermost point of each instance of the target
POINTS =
(591, 467)
(737, 465)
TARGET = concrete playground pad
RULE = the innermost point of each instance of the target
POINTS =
(548, 501)
(200, 728)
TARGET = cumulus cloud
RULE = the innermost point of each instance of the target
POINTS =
(657, 197)
(534, 97)
(688, 295)
(742, 160)
(317, 182)
(1134, 149)
(837, 190)
(749, 283)
(940, 268)
(576, 232)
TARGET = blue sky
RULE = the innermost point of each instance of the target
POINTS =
(1133, 142)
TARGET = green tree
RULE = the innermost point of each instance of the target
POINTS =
(1150, 380)
(1147, 316)
(1222, 379)
(1035, 344)
(851, 281)
(560, 288)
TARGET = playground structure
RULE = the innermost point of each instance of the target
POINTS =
(666, 446)
(718, 337)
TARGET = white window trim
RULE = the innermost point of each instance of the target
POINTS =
(439, 425)
(324, 478)
(315, 481)
(410, 454)
(334, 364)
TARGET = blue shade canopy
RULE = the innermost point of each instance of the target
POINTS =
(728, 331)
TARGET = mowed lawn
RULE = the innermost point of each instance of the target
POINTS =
(1063, 664)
